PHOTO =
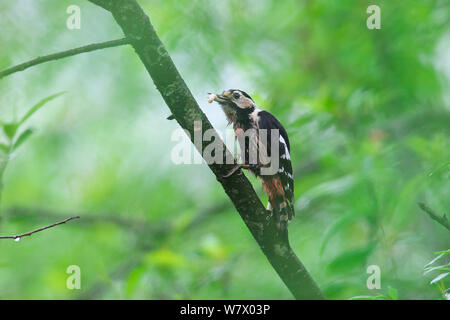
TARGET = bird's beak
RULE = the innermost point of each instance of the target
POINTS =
(222, 98)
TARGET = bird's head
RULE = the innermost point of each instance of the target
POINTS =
(233, 98)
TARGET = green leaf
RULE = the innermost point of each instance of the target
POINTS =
(445, 252)
(39, 105)
(133, 280)
(440, 168)
(439, 277)
(10, 129)
(434, 260)
(393, 293)
(438, 268)
(21, 139)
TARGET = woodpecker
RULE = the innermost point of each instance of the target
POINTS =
(242, 112)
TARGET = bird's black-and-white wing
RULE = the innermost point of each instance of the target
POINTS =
(267, 121)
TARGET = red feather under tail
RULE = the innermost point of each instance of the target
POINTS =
(277, 199)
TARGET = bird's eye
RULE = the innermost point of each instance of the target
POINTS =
(236, 95)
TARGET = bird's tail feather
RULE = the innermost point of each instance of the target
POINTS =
(278, 204)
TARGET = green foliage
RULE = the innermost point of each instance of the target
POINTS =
(440, 272)
(21, 138)
(37, 106)
(15, 139)
(11, 129)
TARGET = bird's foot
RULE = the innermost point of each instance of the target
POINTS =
(240, 166)
(232, 171)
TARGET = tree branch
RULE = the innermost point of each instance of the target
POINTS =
(26, 234)
(272, 240)
(433, 215)
(63, 54)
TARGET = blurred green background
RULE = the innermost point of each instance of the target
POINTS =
(367, 111)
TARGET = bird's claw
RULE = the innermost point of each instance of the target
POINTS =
(239, 166)
(232, 171)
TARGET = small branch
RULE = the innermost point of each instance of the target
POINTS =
(63, 54)
(433, 215)
(37, 230)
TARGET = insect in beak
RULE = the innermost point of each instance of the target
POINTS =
(220, 98)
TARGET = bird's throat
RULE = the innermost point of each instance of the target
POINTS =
(238, 116)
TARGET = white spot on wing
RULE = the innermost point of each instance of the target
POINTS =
(286, 151)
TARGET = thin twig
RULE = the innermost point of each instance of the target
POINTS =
(63, 54)
(37, 230)
(433, 215)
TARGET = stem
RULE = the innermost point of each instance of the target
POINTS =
(63, 54)
(433, 215)
(26, 234)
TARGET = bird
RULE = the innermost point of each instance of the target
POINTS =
(248, 122)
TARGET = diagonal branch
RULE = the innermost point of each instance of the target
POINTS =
(272, 240)
(26, 234)
(433, 215)
(63, 54)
